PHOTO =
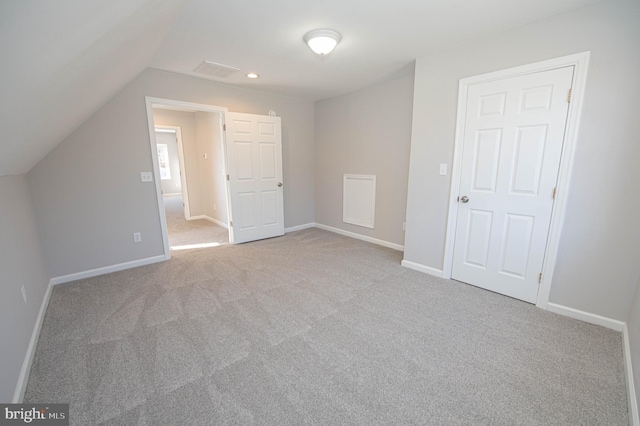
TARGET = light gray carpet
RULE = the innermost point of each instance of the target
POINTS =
(316, 328)
(183, 232)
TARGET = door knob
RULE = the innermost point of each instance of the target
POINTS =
(463, 199)
(279, 184)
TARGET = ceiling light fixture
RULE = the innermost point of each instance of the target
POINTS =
(322, 41)
(252, 75)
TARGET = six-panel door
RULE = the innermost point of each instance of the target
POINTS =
(254, 166)
(513, 137)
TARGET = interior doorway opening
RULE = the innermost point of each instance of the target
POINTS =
(239, 168)
(189, 167)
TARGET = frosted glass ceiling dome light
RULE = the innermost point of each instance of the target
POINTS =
(322, 41)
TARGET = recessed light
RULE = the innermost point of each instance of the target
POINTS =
(252, 75)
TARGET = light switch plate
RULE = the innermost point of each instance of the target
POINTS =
(146, 177)
(443, 169)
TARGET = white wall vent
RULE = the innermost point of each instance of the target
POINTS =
(215, 70)
(359, 200)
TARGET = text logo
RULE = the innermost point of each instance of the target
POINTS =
(34, 414)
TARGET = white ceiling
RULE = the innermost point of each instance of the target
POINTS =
(61, 60)
(379, 37)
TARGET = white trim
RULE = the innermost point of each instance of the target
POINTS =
(152, 102)
(21, 385)
(156, 177)
(580, 62)
(634, 417)
(422, 268)
(585, 316)
(183, 106)
(173, 194)
(360, 237)
(299, 227)
(108, 269)
(186, 206)
(210, 219)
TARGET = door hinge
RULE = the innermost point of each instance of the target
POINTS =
(553, 194)
(224, 127)
(569, 95)
(227, 177)
(231, 223)
(539, 277)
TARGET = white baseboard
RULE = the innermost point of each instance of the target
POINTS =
(21, 385)
(360, 237)
(210, 219)
(634, 416)
(173, 194)
(299, 227)
(107, 269)
(585, 316)
(422, 268)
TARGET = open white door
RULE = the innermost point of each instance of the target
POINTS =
(254, 177)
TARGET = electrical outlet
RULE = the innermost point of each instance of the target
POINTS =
(24, 293)
(443, 169)
(137, 237)
(146, 177)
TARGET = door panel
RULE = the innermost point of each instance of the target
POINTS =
(244, 160)
(513, 137)
(486, 160)
(254, 166)
(528, 159)
(479, 232)
(268, 160)
(517, 244)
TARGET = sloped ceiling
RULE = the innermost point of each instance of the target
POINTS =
(61, 60)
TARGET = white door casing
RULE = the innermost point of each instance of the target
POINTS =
(512, 148)
(151, 103)
(253, 146)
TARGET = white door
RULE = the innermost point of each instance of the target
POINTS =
(513, 137)
(254, 174)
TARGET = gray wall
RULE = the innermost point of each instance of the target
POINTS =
(209, 140)
(597, 265)
(22, 264)
(87, 192)
(221, 212)
(633, 327)
(365, 132)
(172, 185)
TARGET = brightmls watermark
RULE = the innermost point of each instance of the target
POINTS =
(34, 414)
